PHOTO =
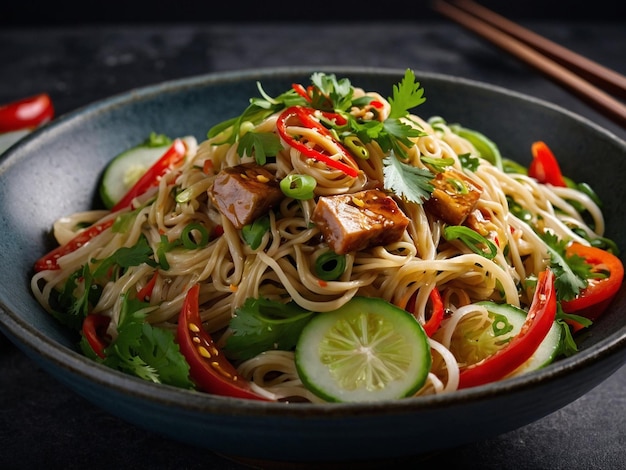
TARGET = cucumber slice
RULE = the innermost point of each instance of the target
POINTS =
(367, 350)
(547, 350)
(126, 168)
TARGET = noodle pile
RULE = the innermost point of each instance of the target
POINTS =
(281, 268)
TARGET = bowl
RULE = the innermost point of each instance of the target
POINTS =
(55, 170)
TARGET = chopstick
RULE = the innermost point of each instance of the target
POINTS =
(550, 59)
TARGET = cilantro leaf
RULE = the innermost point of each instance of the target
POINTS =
(146, 351)
(331, 94)
(71, 305)
(126, 257)
(406, 95)
(259, 144)
(468, 162)
(262, 324)
(571, 272)
(401, 131)
(410, 182)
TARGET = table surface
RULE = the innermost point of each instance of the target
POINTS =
(44, 423)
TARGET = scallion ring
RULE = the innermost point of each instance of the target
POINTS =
(298, 186)
(356, 147)
(329, 266)
(475, 241)
(188, 238)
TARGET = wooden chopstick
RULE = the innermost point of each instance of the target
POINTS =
(595, 97)
(603, 77)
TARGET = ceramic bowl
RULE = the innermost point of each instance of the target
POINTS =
(55, 171)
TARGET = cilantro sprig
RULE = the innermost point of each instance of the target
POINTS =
(262, 324)
(571, 272)
(328, 93)
(141, 349)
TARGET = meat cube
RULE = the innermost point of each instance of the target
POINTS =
(351, 222)
(454, 197)
(245, 192)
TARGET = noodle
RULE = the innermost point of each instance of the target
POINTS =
(283, 265)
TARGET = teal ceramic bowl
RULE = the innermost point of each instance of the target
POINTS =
(55, 171)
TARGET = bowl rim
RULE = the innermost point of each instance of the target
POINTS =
(39, 346)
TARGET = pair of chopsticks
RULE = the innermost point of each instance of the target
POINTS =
(590, 81)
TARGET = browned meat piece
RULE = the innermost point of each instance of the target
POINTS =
(350, 222)
(454, 197)
(480, 223)
(245, 192)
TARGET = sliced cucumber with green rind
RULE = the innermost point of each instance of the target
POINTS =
(367, 350)
(547, 350)
(125, 169)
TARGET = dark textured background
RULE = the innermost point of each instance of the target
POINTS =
(40, 12)
(76, 58)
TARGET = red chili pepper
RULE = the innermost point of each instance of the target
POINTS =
(26, 113)
(308, 118)
(209, 368)
(436, 314)
(539, 320)
(218, 231)
(150, 178)
(592, 301)
(304, 116)
(146, 291)
(301, 91)
(94, 330)
(544, 167)
(49, 261)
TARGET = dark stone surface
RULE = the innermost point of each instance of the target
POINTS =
(43, 424)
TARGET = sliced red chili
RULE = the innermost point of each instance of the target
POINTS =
(539, 320)
(94, 330)
(298, 88)
(26, 113)
(544, 166)
(50, 260)
(209, 368)
(172, 157)
(146, 291)
(304, 116)
(433, 321)
(593, 300)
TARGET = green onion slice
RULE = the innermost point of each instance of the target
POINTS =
(329, 266)
(298, 186)
(475, 241)
(188, 236)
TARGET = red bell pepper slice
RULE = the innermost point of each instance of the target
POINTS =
(539, 320)
(436, 314)
(592, 301)
(26, 113)
(544, 167)
(172, 157)
(94, 330)
(304, 116)
(208, 367)
(50, 260)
